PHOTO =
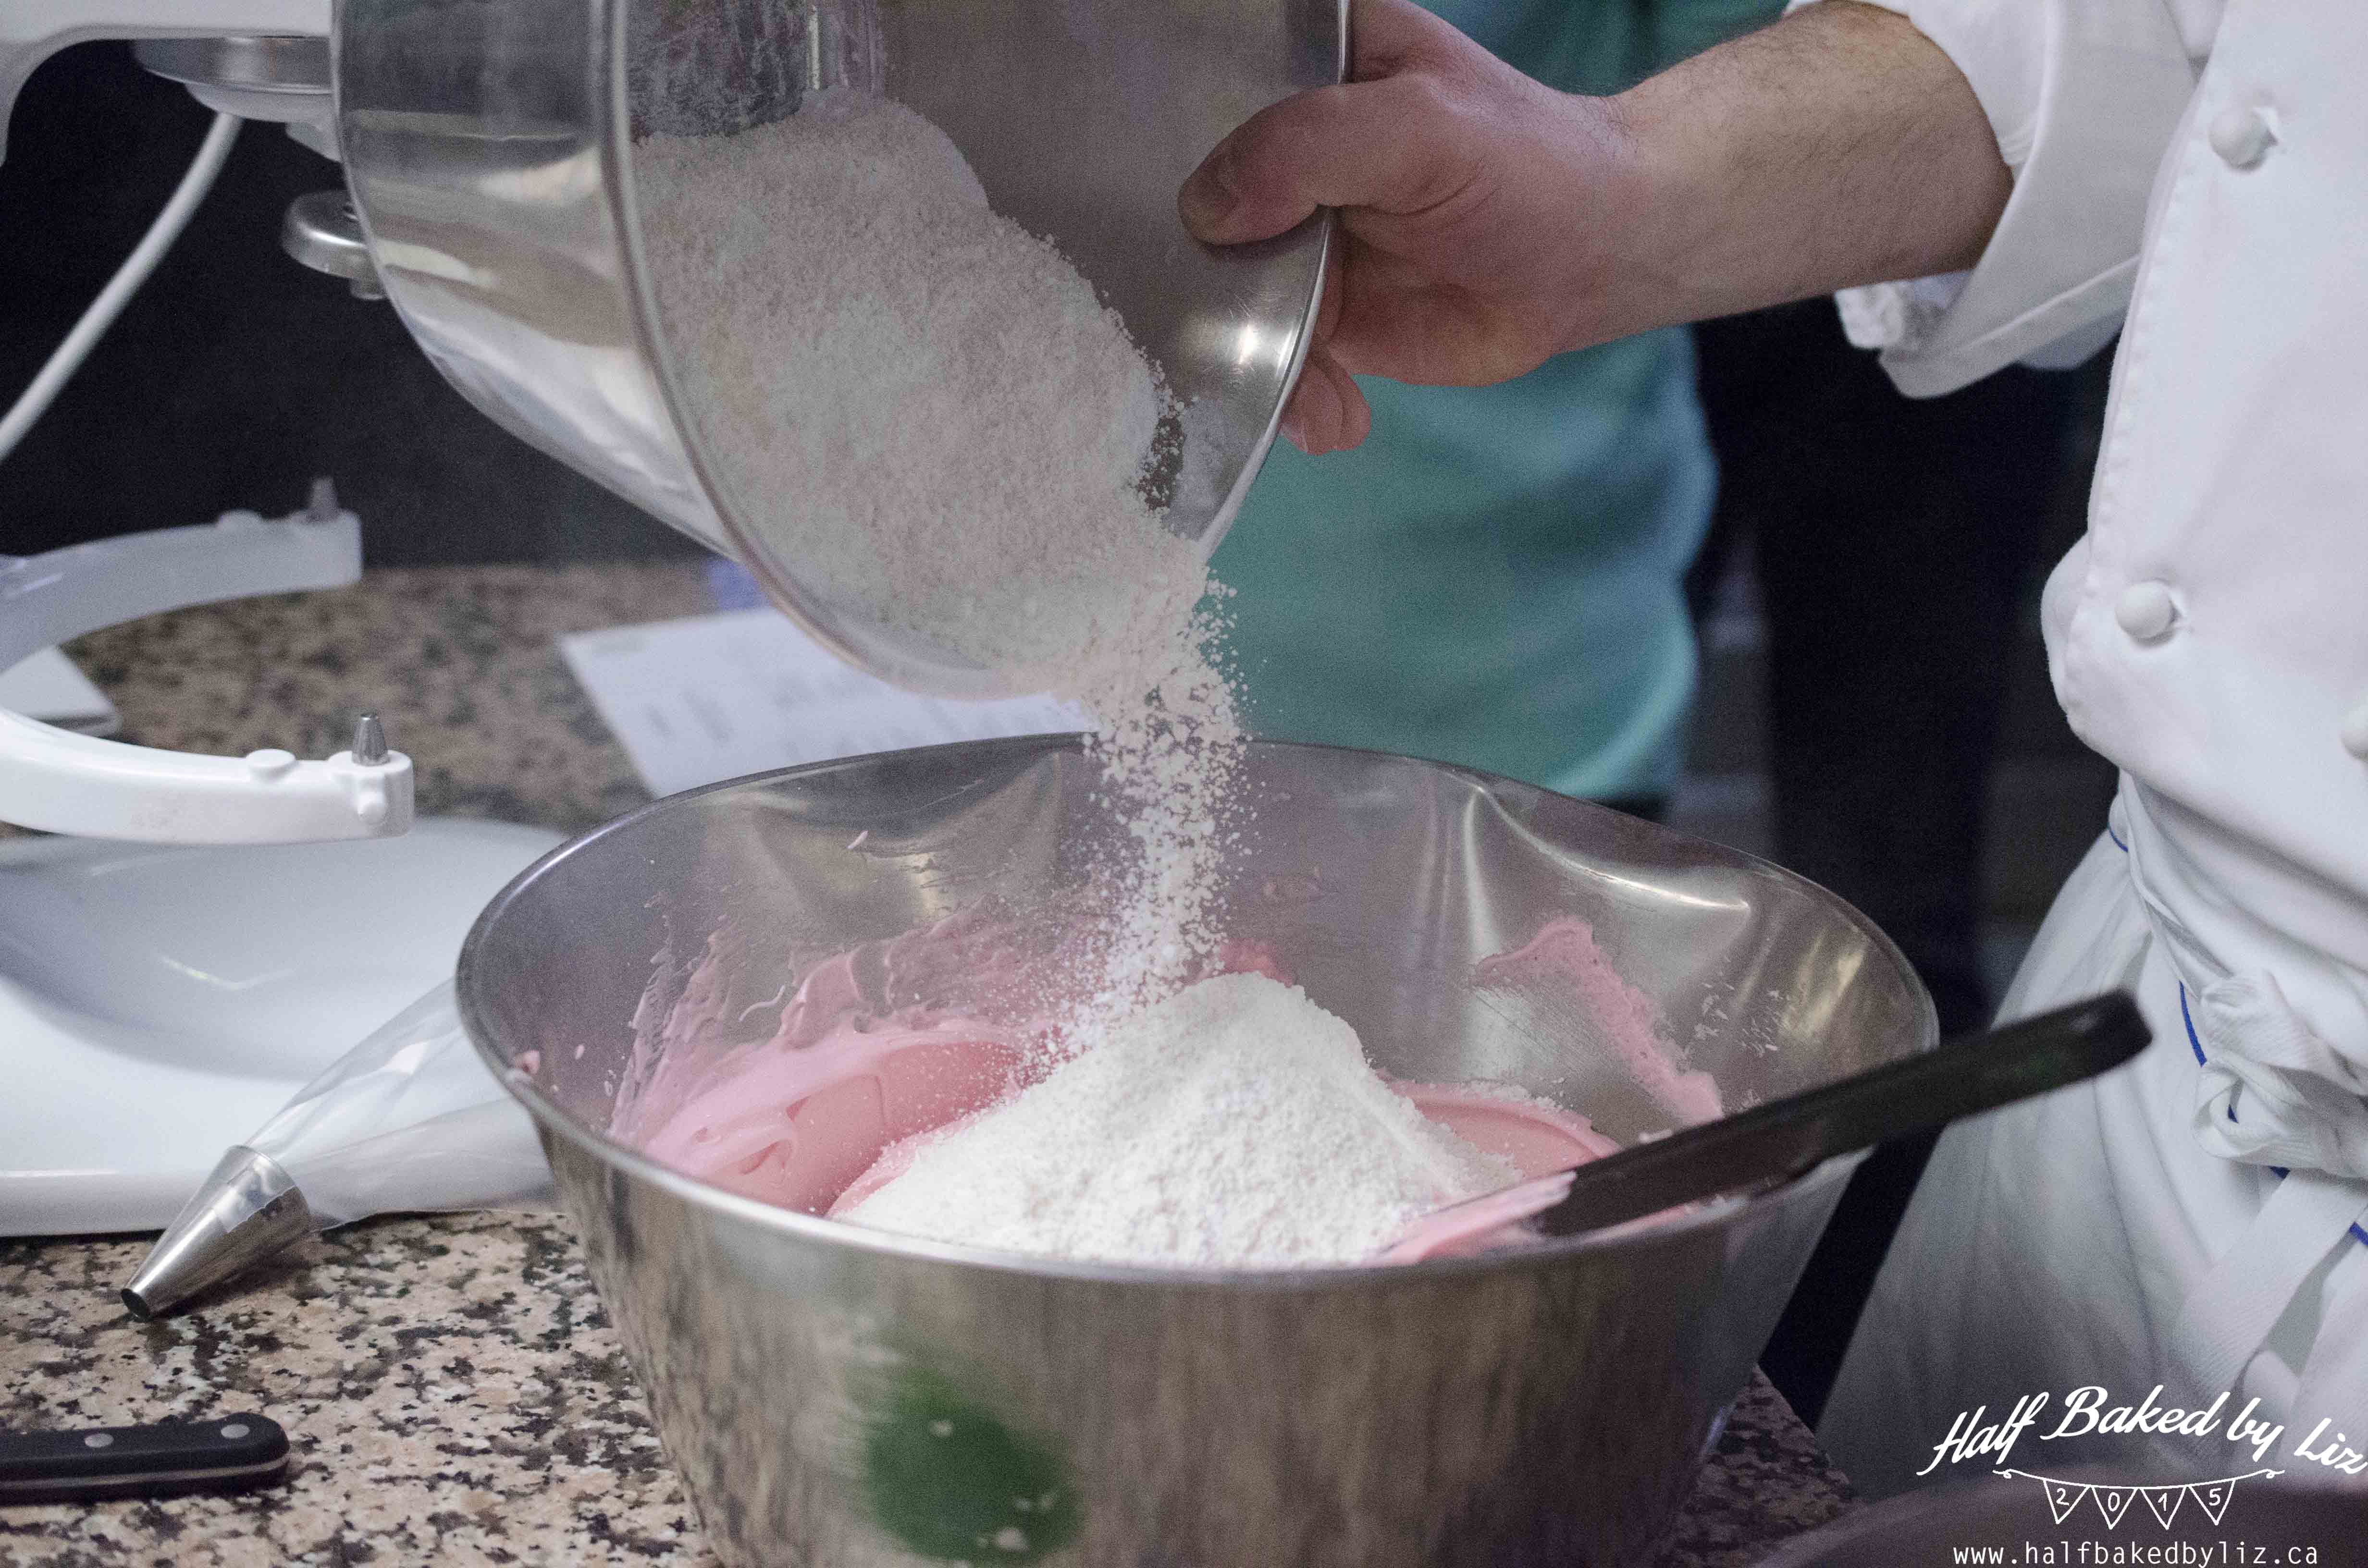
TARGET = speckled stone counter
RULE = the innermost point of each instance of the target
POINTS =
(451, 1389)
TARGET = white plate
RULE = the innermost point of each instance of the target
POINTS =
(158, 1004)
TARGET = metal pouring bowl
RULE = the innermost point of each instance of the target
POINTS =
(840, 1396)
(488, 147)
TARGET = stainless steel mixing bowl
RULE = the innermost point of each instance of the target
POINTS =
(487, 144)
(836, 1396)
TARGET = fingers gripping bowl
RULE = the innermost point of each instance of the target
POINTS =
(840, 1395)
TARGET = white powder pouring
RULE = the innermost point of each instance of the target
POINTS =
(930, 414)
(1233, 1124)
(934, 419)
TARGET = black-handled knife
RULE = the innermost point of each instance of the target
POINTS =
(226, 1453)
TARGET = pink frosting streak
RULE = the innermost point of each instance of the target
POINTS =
(1565, 955)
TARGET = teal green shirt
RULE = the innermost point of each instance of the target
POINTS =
(1495, 578)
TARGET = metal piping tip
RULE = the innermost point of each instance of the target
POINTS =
(248, 1209)
(370, 741)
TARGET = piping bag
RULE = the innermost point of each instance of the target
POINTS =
(410, 1119)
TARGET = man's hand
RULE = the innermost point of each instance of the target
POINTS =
(1488, 221)
(1466, 191)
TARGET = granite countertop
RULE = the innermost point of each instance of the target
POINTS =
(450, 1384)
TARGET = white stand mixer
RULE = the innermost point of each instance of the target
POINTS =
(68, 783)
(161, 998)
(159, 1003)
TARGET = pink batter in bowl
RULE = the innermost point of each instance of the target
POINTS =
(818, 1121)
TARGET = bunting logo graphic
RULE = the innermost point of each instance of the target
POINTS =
(2113, 1502)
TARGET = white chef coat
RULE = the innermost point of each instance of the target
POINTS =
(2200, 1219)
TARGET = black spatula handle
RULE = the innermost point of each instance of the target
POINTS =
(1783, 1137)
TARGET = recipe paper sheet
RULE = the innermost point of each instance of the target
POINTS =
(712, 697)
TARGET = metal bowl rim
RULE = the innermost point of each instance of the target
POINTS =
(813, 1228)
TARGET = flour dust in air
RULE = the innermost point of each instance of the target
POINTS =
(933, 417)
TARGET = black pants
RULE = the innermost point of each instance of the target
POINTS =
(1895, 541)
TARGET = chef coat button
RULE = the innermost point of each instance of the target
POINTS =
(2145, 611)
(2241, 136)
(2355, 729)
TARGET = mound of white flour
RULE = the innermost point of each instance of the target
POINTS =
(1235, 1123)
(930, 416)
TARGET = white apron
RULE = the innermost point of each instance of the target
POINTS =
(2072, 1240)
(2198, 1219)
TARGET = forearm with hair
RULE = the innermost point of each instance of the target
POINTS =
(1836, 147)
